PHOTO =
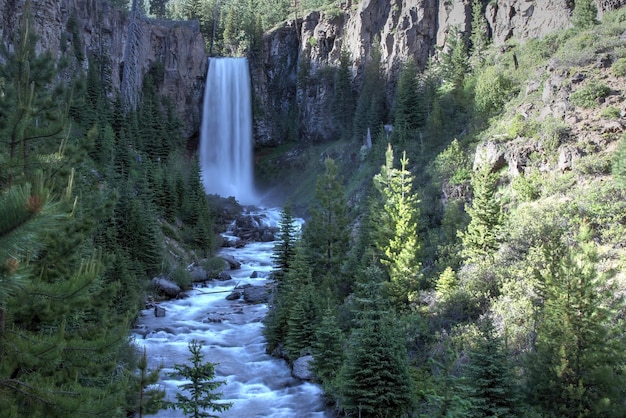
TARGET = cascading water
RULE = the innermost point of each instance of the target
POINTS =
(226, 130)
(231, 331)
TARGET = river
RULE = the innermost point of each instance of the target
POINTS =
(257, 384)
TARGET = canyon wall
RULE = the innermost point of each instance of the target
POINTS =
(293, 80)
(404, 28)
(85, 28)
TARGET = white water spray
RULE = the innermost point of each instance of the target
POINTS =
(226, 130)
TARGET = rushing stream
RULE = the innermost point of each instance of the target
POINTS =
(258, 385)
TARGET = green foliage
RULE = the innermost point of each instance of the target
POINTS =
(490, 383)
(286, 292)
(483, 232)
(344, 100)
(325, 235)
(150, 399)
(610, 112)
(492, 90)
(587, 96)
(576, 367)
(408, 110)
(375, 379)
(479, 35)
(371, 107)
(395, 230)
(285, 248)
(328, 352)
(301, 322)
(585, 14)
(455, 64)
(201, 386)
(527, 186)
(619, 162)
(619, 67)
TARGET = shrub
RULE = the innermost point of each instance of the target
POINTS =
(619, 67)
(610, 112)
(587, 96)
(492, 90)
(520, 126)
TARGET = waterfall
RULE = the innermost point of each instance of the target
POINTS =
(226, 130)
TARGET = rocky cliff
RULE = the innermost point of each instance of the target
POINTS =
(405, 29)
(131, 43)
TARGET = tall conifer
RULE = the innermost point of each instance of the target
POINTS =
(395, 230)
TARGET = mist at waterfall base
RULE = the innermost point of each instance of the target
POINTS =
(231, 331)
(226, 131)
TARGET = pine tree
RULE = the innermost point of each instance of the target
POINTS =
(150, 400)
(489, 381)
(201, 386)
(585, 14)
(482, 237)
(395, 230)
(375, 379)
(285, 248)
(455, 65)
(371, 107)
(301, 322)
(576, 368)
(328, 352)
(343, 99)
(408, 107)
(33, 114)
(284, 298)
(478, 36)
(325, 235)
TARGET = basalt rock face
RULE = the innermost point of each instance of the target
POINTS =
(295, 78)
(82, 29)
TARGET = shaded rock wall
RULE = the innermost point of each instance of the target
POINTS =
(83, 28)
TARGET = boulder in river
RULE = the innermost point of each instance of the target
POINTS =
(302, 368)
(232, 263)
(159, 311)
(255, 294)
(166, 288)
(234, 295)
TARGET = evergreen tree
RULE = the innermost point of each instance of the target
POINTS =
(301, 322)
(395, 230)
(479, 35)
(201, 386)
(585, 14)
(150, 400)
(455, 65)
(158, 8)
(343, 99)
(375, 379)
(371, 107)
(33, 111)
(408, 107)
(284, 298)
(576, 367)
(285, 248)
(325, 235)
(328, 352)
(483, 232)
(489, 380)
